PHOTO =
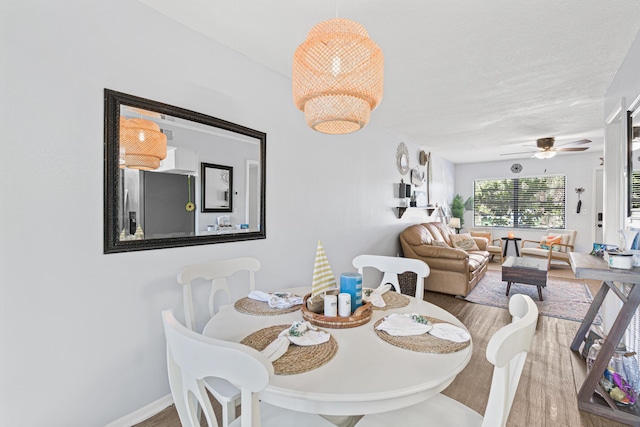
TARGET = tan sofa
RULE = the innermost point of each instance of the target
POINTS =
(453, 271)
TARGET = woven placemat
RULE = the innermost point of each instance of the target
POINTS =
(425, 343)
(247, 305)
(393, 300)
(297, 359)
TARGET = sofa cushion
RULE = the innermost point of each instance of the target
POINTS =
(464, 241)
(476, 260)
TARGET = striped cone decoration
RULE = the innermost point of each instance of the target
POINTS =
(323, 278)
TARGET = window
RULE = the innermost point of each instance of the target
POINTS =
(537, 202)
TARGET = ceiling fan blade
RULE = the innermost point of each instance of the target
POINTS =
(579, 142)
(572, 149)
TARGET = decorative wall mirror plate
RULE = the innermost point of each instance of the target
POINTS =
(402, 158)
(161, 161)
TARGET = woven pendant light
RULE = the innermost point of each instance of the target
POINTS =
(337, 76)
(142, 144)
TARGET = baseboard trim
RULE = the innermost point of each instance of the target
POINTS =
(143, 413)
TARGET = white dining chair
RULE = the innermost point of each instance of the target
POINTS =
(507, 351)
(217, 272)
(192, 357)
(391, 267)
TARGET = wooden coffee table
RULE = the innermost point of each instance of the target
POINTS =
(525, 270)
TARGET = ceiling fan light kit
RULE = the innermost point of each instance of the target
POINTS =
(545, 154)
(337, 76)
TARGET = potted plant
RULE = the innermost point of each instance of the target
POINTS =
(459, 206)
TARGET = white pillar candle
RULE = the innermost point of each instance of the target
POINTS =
(331, 305)
(344, 305)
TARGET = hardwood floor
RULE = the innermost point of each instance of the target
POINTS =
(546, 395)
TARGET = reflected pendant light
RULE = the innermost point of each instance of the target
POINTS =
(142, 144)
(337, 76)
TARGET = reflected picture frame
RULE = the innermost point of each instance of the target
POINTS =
(217, 188)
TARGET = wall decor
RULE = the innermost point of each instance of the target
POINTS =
(423, 157)
(417, 177)
(516, 168)
(219, 163)
(402, 158)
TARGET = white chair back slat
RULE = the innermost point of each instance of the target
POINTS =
(192, 357)
(391, 267)
(217, 272)
(507, 351)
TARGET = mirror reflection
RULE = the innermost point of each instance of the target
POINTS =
(634, 159)
(176, 178)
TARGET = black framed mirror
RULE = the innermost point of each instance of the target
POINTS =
(162, 161)
(633, 159)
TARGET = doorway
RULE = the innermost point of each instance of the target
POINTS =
(598, 203)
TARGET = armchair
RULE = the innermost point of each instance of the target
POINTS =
(549, 248)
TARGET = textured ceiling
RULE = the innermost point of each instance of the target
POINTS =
(469, 80)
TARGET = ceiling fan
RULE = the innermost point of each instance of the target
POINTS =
(546, 148)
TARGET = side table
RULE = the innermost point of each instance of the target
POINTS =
(594, 267)
(515, 241)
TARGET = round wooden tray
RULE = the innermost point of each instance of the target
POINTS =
(361, 316)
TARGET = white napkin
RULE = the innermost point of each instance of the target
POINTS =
(304, 333)
(403, 325)
(276, 349)
(300, 333)
(277, 299)
(374, 296)
(447, 331)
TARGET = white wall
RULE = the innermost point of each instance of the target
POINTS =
(621, 93)
(578, 169)
(82, 342)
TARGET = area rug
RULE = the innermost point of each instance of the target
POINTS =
(564, 299)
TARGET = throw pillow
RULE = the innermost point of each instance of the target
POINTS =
(464, 241)
(564, 240)
(546, 242)
(440, 243)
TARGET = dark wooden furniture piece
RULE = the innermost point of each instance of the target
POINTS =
(515, 241)
(528, 271)
(593, 267)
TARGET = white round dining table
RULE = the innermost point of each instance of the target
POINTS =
(366, 375)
